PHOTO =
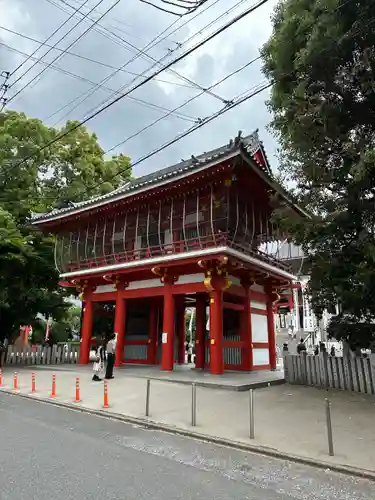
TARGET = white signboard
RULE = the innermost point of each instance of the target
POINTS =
(164, 337)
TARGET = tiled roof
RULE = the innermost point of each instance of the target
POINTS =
(249, 144)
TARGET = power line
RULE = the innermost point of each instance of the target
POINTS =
(171, 63)
(112, 19)
(143, 52)
(186, 6)
(150, 44)
(236, 101)
(161, 59)
(71, 45)
(74, 54)
(36, 50)
(86, 80)
(100, 28)
(211, 23)
(252, 92)
(185, 104)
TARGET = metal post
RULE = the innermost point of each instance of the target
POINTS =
(193, 405)
(148, 386)
(251, 411)
(329, 428)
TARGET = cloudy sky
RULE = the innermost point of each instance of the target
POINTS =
(67, 90)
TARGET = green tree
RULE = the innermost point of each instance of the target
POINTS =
(190, 335)
(72, 169)
(320, 59)
(69, 324)
(77, 168)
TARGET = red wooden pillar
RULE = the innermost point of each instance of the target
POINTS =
(216, 332)
(86, 332)
(200, 330)
(153, 334)
(167, 350)
(271, 329)
(246, 330)
(119, 328)
(181, 332)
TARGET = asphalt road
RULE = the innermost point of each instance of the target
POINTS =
(53, 453)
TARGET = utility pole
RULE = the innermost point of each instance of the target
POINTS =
(4, 87)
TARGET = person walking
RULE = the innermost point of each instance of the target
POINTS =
(111, 349)
(189, 352)
(98, 363)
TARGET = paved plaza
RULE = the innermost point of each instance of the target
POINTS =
(289, 419)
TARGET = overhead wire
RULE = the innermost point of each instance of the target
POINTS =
(236, 102)
(86, 80)
(257, 89)
(74, 54)
(188, 5)
(219, 82)
(100, 28)
(143, 53)
(46, 40)
(103, 102)
(211, 23)
(139, 52)
(252, 92)
(69, 46)
(111, 19)
(179, 58)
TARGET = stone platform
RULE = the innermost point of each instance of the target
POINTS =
(185, 374)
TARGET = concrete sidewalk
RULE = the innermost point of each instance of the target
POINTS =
(289, 419)
(185, 374)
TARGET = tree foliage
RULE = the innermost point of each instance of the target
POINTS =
(72, 169)
(321, 60)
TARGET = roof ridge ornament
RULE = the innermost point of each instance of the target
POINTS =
(194, 160)
(238, 139)
(252, 143)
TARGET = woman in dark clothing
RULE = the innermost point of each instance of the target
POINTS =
(111, 350)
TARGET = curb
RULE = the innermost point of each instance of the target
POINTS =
(236, 445)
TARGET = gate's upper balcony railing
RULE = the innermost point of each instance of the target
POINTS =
(212, 218)
(203, 242)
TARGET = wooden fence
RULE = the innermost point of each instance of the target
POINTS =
(329, 372)
(39, 355)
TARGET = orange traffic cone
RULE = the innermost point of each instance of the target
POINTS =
(15, 382)
(105, 403)
(78, 394)
(33, 383)
(1, 378)
(53, 392)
